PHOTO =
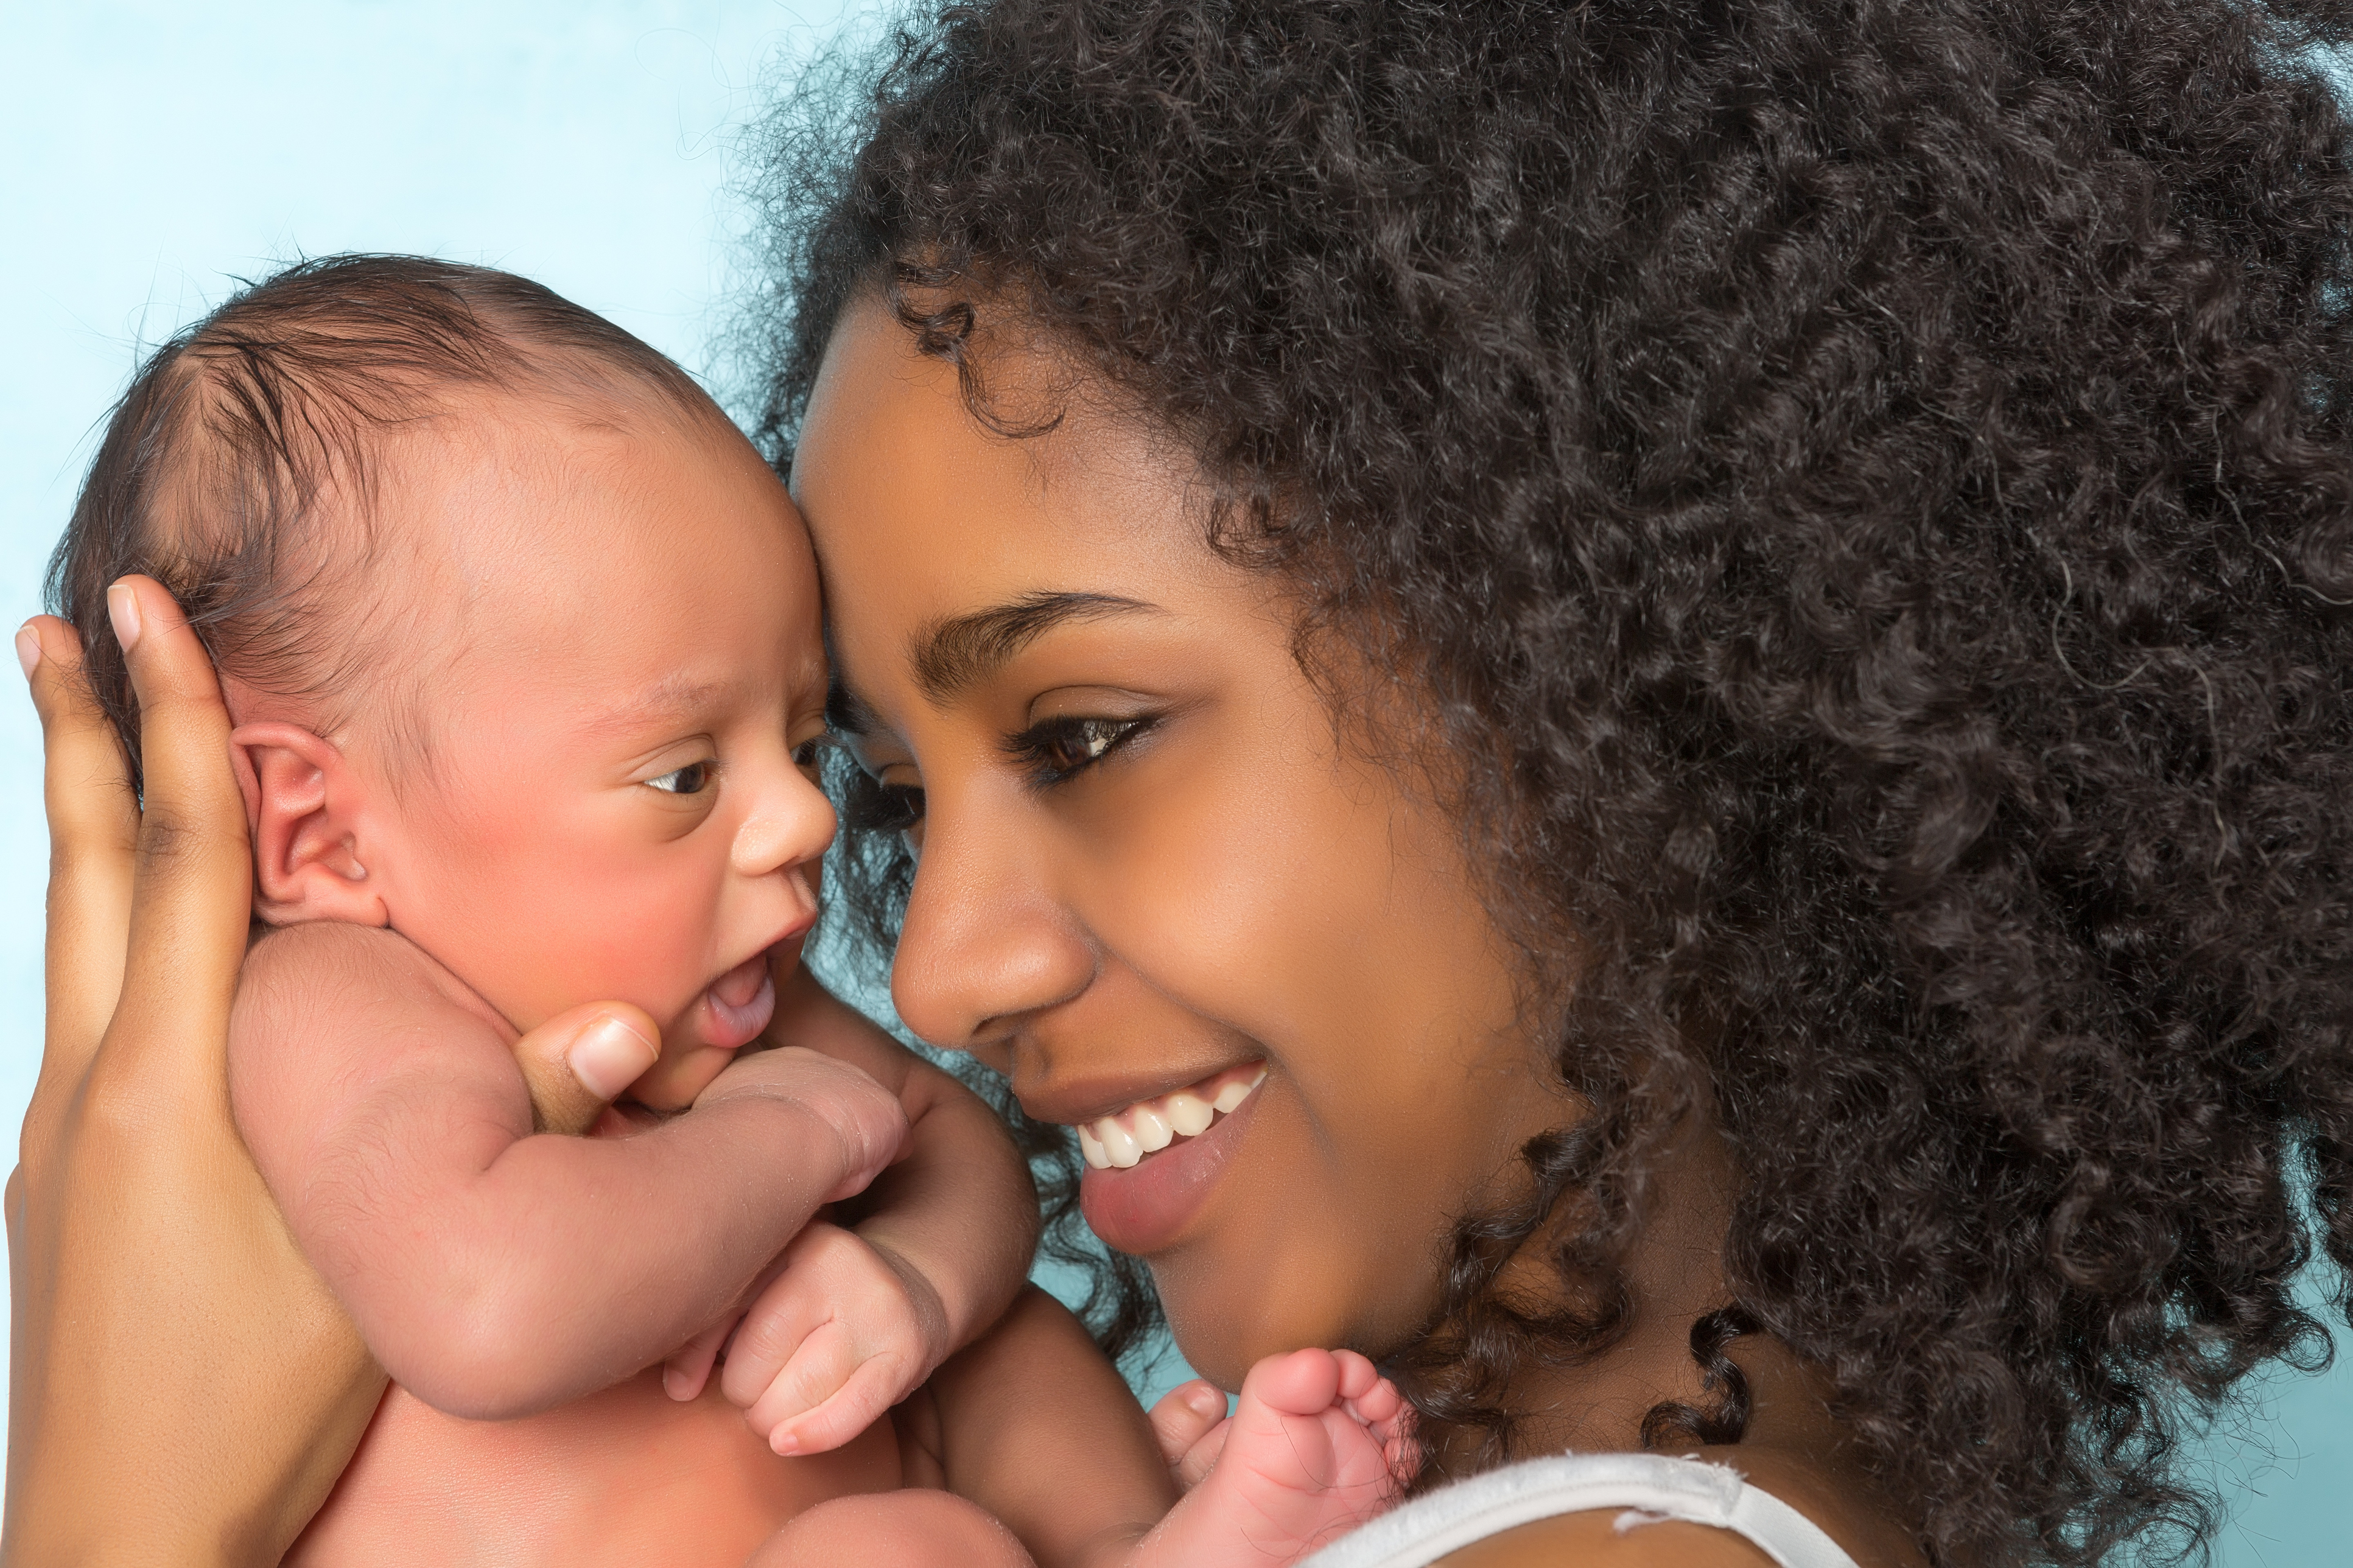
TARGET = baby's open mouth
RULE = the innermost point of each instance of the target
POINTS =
(1124, 1138)
(740, 1003)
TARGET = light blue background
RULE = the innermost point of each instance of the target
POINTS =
(152, 152)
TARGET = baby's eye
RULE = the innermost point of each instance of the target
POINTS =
(691, 779)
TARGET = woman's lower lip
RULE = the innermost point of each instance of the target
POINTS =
(1144, 1209)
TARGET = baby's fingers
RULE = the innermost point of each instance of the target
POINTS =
(689, 1367)
(860, 1391)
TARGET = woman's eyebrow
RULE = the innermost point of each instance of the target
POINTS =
(950, 655)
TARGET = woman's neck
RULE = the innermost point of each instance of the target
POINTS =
(1791, 1444)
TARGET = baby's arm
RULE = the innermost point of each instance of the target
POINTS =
(1034, 1425)
(491, 1270)
(934, 1250)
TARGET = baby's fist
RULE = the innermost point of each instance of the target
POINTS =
(836, 1336)
(865, 1118)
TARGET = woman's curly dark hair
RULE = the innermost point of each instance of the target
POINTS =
(1867, 487)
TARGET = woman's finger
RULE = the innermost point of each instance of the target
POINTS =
(192, 892)
(580, 1061)
(137, 1220)
(93, 829)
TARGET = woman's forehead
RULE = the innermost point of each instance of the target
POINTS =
(923, 516)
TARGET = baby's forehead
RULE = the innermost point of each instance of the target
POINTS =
(594, 550)
(509, 487)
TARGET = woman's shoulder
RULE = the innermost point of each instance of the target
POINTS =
(1595, 1540)
(1746, 1507)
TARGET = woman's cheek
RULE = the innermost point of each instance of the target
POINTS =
(1312, 1241)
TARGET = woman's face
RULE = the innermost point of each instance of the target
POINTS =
(1149, 871)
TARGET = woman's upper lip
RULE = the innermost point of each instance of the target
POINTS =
(1083, 1099)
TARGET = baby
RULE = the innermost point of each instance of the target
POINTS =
(520, 642)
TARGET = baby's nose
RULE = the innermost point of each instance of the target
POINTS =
(792, 826)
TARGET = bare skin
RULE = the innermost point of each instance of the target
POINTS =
(377, 1093)
(237, 1437)
(612, 799)
(1234, 886)
(1189, 873)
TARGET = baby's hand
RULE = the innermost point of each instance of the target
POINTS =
(1318, 1443)
(868, 1123)
(836, 1336)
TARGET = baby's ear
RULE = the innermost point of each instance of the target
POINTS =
(302, 801)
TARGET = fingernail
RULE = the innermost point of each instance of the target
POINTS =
(28, 648)
(609, 1056)
(122, 609)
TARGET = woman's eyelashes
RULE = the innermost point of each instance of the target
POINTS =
(1049, 752)
(1054, 749)
(870, 806)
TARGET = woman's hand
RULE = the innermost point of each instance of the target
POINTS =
(183, 1390)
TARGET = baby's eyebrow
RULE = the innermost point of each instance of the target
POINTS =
(672, 697)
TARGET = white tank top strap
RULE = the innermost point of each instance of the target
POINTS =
(1644, 1487)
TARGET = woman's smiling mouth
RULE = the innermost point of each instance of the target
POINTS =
(1151, 1166)
(1123, 1139)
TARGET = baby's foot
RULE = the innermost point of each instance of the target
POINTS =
(1318, 1443)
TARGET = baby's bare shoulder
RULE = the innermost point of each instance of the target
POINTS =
(303, 977)
(336, 1027)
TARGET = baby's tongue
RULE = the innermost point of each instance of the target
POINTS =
(742, 1000)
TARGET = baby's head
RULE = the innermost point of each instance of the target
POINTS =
(519, 636)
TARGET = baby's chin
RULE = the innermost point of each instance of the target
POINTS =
(685, 1071)
(702, 1041)
(696, 1048)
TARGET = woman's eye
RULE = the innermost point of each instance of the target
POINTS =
(1054, 749)
(691, 779)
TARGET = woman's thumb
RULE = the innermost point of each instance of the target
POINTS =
(578, 1062)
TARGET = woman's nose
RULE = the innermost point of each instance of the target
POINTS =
(789, 825)
(984, 942)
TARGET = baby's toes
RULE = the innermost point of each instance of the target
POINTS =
(1184, 1416)
(1304, 1382)
(1357, 1375)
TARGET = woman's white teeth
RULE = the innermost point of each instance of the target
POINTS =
(1119, 1145)
(1151, 1129)
(1118, 1141)
(1189, 1114)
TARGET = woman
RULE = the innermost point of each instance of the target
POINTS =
(1714, 636)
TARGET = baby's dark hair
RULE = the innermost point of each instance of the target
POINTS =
(1867, 489)
(237, 468)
